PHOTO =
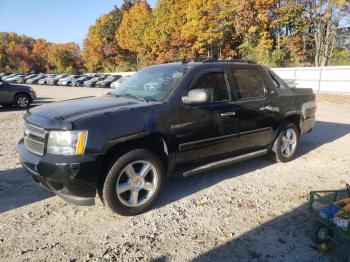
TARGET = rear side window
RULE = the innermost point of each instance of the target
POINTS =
(249, 83)
(216, 85)
(278, 82)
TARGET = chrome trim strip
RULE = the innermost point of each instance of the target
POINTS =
(214, 140)
(225, 162)
(34, 130)
(30, 170)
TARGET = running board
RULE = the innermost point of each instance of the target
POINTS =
(224, 162)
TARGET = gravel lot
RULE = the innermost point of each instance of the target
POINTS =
(252, 211)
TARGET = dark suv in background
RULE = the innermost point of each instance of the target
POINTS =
(171, 119)
(19, 96)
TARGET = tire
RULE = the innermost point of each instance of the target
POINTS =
(21, 101)
(125, 190)
(321, 234)
(286, 143)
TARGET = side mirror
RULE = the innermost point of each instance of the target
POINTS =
(195, 97)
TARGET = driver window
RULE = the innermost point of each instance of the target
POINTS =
(216, 85)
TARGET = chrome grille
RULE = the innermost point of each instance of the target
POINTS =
(34, 130)
(34, 139)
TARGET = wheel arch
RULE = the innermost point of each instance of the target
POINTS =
(21, 93)
(294, 118)
(155, 142)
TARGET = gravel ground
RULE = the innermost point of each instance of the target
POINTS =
(252, 211)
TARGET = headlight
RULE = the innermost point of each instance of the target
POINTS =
(67, 142)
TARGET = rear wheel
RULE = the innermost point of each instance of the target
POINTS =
(22, 101)
(286, 144)
(133, 183)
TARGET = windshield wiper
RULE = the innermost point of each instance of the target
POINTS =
(132, 96)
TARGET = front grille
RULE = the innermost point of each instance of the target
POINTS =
(34, 130)
(34, 139)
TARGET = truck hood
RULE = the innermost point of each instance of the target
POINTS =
(62, 114)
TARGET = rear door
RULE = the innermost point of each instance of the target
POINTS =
(256, 117)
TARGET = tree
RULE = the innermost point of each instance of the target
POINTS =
(19, 53)
(208, 26)
(163, 36)
(325, 16)
(39, 56)
(101, 51)
(18, 58)
(340, 57)
(64, 58)
(130, 34)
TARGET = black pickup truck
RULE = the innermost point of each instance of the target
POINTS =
(171, 119)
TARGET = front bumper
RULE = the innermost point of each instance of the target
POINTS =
(73, 178)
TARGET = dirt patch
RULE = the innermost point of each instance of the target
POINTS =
(333, 98)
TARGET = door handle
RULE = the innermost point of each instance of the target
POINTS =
(266, 108)
(228, 114)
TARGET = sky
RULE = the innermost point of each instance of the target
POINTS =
(57, 21)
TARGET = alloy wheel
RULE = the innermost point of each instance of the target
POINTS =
(22, 101)
(288, 142)
(137, 183)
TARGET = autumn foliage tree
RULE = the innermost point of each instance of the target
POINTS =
(64, 58)
(131, 32)
(19, 53)
(271, 32)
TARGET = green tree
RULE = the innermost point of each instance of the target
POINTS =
(340, 57)
(64, 58)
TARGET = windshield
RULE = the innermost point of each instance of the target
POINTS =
(153, 83)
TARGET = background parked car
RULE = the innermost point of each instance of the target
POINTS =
(23, 79)
(35, 80)
(43, 81)
(14, 78)
(18, 78)
(16, 95)
(5, 78)
(54, 80)
(67, 80)
(115, 84)
(2, 75)
(92, 82)
(80, 81)
(107, 81)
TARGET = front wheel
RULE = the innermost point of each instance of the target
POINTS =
(321, 234)
(133, 183)
(286, 144)
(22, 101)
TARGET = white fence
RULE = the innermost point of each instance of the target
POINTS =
(334, 79)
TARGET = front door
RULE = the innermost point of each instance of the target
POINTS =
(197, 134)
